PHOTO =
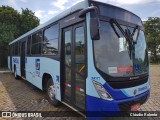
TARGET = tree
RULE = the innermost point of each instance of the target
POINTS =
(9, 17)
(28, 21)
(152, 29)
(12, 25)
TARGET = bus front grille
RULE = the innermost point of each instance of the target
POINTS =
(127, 83)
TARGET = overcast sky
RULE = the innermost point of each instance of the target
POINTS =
(46, 9)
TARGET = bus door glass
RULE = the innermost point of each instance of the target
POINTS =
(75, 65)
(23, 53)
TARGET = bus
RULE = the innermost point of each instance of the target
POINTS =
(91, 57)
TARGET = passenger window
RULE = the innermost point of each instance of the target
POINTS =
(36, 48)
(50, 40)
(9, 47)
(16, 49)
(37, 38)
(19, 47)
(36, 43)
(13, 49)
(28, 45)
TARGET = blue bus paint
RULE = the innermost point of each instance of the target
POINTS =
(16, 63)
(103, 106)
(92, 73)
(15, 60)
(57, 79)
(140, 89)
(36, 67)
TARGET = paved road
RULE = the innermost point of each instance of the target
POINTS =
(20, 95)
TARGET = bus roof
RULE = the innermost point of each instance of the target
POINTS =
(81, 5)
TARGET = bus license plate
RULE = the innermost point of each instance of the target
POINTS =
(135, 107)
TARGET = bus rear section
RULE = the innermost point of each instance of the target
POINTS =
(118, 68)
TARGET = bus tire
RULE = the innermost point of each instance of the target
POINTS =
(51, 93)
(15, 73)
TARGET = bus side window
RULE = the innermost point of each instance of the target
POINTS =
(36, 43)
(16, 49)
(9, 47)
(19, 47)
(50, 40)
(29, 45)
(13, 45)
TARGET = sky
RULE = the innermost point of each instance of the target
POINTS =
(46, 9)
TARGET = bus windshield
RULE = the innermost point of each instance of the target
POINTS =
(113, 55)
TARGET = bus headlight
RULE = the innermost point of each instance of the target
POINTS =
(102, 91)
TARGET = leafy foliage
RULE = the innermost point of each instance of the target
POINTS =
(12, 25)
(28, 20)
(152, 29)
(8, 32)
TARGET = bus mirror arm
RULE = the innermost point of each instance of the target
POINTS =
(94, 21)
(83, 12)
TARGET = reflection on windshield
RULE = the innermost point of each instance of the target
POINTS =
(141, 53)
(127, 34)
(112, 52)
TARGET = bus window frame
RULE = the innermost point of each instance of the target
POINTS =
(28, 54)
(45, 28)
(41, 30)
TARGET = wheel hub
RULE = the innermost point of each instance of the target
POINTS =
(51, 92)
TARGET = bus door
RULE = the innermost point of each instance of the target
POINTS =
(74, 66)
(23, 53)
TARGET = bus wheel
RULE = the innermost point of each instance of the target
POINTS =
(15, 73)
(51, 93)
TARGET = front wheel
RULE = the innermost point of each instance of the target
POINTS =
(51, 93)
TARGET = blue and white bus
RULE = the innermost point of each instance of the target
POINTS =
(91, 57)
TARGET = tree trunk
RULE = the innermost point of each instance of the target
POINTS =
(155, 56)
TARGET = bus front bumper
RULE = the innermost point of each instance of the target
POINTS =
(97, 107)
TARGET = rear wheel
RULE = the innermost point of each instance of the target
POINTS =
(51, 93)
(15, 73)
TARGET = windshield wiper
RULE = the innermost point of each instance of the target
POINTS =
(115, 30)
(125, 33)
(133, 42)
(134, 30)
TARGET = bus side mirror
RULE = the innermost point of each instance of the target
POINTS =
(94, 29)
(94, 21)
